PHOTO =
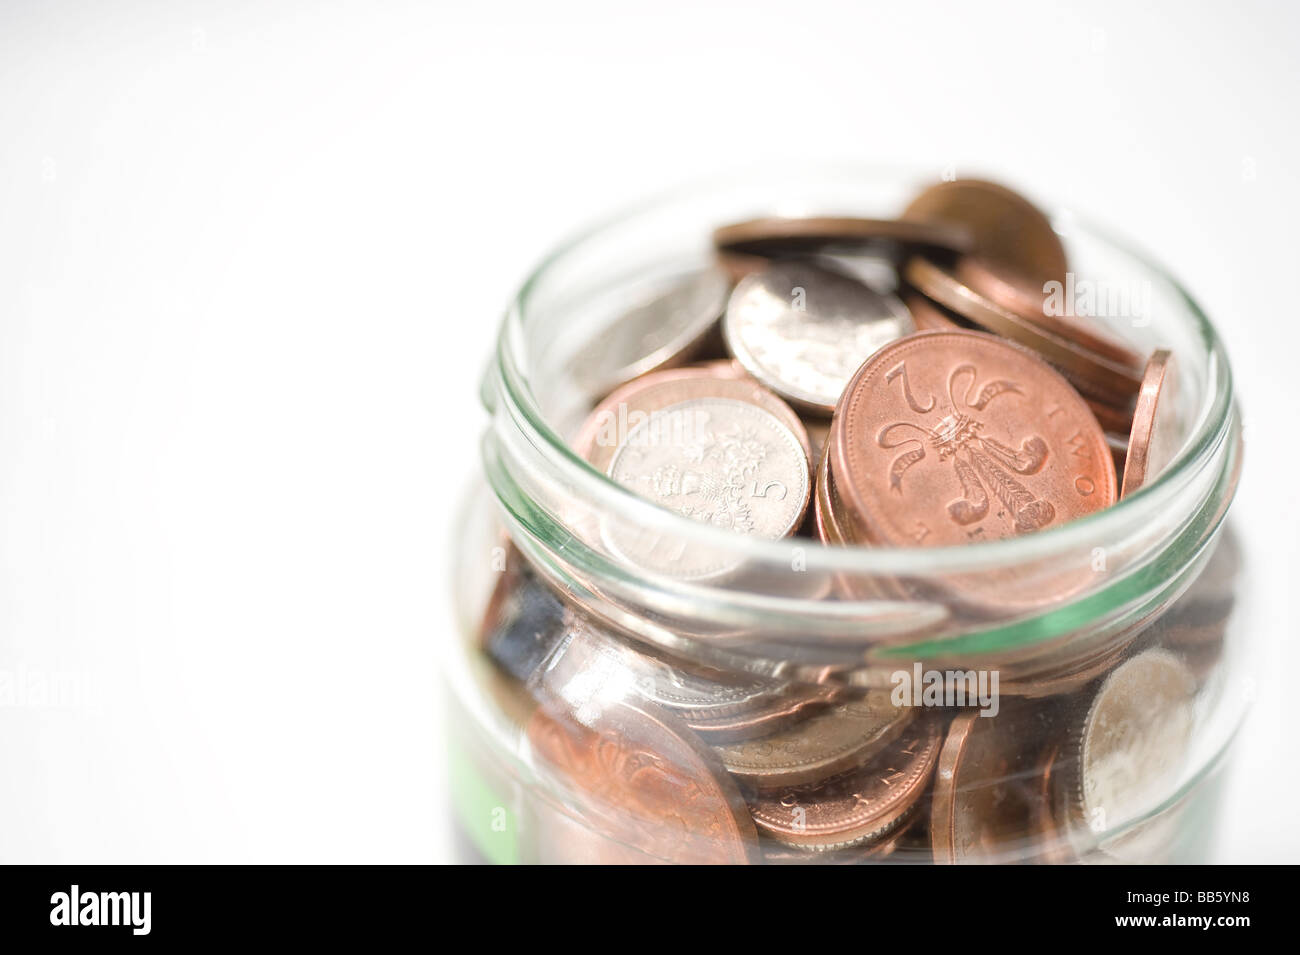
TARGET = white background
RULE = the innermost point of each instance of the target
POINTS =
(252, 256)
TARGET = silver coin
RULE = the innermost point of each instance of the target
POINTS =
(803, 329)
(1133, 741)
(659, 332)
(718, 461)
(720, 705)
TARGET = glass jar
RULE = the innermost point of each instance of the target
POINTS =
(810, 704)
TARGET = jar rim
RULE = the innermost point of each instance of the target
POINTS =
(1206, 437)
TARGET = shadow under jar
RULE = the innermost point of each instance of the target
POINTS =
(788, 702)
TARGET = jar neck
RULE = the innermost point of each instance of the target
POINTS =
(799, 608)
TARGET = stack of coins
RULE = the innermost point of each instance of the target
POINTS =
(873, 383)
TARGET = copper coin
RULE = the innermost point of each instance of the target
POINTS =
(643, 779)
(1052, 846)
(819, 431)
(563, 839)
(787, 236)
(856, 807)
(987, 790)
(1114, 419)
(1030, 302)
(1070, 669)
(949, 437)
(1131, 744)
(823, 745)
(930, 317)
(1005, 227)
(1118, 449)
(827, 520)
(803, 329)
(870, 852)
(664, 329)
(1154, 439)
(1099, 376)
(827, 514)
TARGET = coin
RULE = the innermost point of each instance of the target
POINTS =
(855, 807)
(562, 839)
(932, 317)
(1052, 847)
(928, 315)
(719, 461)
(876, 850)
(987, 790)
(1154, 439)
(664, 330)
(1131, 744)
(1005, 228)
(791, 236)
(632, 405)
(828, 743)
(644, 780)
(819, 432)
(804, 329)
(1099, 376)
(720, 705)
(525, 621)
(1070, 670)
(1030, 302)
(824, 512)
(949, 437)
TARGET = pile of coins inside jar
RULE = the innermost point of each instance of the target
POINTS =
(912, 382)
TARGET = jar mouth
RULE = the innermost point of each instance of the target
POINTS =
(1204, 443)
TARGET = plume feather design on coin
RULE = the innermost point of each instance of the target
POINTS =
(981, 463)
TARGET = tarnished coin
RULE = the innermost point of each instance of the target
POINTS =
(662, 331)
(858, 806)
(1132, 743)
(793, 236)
(987, 790)
(1154, 439)
(803, 329)
(1099, 376)
(1005, 228)
(644, 780)
(949, 437)
(824, 745)
(1033, 303)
